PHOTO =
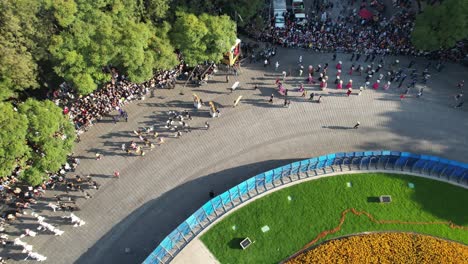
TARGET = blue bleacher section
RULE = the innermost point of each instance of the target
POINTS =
(434, 167)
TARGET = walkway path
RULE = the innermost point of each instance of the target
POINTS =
(156, 192)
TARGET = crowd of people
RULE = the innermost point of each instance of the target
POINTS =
(86, 110)
(368, 42)
(351, 33)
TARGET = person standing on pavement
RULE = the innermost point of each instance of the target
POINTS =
(271, 98)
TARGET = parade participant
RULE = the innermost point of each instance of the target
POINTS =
(323, 84)
(376, 85)
(301, 88)
(387, 85)
(349, 84)
(349, 91)
(338, 66)
(351, 70)
(310, 80)
(311, 98)
(271, 98)
(337, 80)
(339, 85)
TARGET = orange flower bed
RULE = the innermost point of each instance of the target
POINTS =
(386, 248)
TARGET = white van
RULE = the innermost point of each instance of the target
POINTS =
(279, 18)
(300, 18)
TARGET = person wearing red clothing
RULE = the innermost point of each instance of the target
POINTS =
(376, 85)
(338, 66)
(339, 85)
(349, 91)
(350, 84)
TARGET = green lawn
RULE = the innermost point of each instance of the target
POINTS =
(317, 205)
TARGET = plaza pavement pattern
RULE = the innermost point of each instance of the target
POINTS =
(155, 193)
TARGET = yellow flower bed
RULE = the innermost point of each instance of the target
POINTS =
(386, 248)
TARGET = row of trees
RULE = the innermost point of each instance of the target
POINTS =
(72, 40)
(45, 42)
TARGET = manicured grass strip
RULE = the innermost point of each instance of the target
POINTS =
(317, 205)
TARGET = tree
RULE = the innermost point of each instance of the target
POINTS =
(204, 38)
(107, 33)
(13, 148)
(154, 10)
(187, 35)
(50, 137)
(441, 26)
(25, 31)
(221, 35)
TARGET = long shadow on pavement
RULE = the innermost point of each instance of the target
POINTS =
(143, 229)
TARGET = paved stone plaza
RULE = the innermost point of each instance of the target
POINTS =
(156, 192)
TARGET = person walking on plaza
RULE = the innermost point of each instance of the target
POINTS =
(271, 98)
(311, 98)
(276, 66)
(459, 105)
(116, 174)
(207, 125)
(339, 65)
(376, 85)
(319, 100)
(357, 125)
(387, 85)
(360, 90)
(227, 78)
(339, 86)
(351, 70)
(349, 91)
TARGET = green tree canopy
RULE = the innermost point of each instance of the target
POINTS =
(50, 137)
(106, 32)
(25, 31)
(13, 148)
(204, 38)
(441, 26)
